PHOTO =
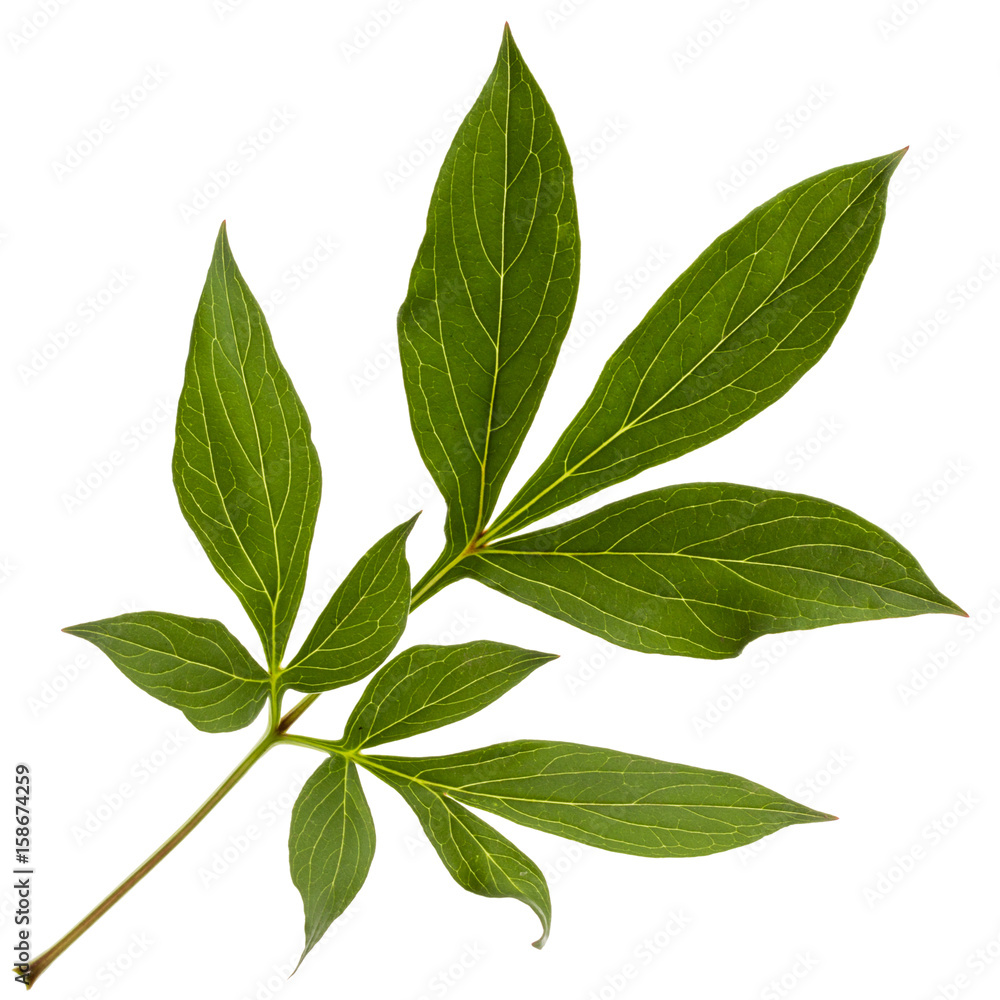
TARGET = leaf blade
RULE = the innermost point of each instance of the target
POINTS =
(479, 858)
(701, 569)
(361, 622)
(426, 687)
(730, 336)
(616, 801)
(245, 470)
(194, 664)
(331, 843)
(491, 292)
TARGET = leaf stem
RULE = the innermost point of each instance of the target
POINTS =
(38, 965)
(424, 588)
(324, 746)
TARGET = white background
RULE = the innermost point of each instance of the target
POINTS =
(893, 423)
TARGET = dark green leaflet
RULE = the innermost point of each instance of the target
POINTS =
(330, 844)
(194, 664)
(491, 293)
(478, 857)
(430, 686)
(361, 622)
(616, 801)
(730, 336)
(245, 469)
(701, 569)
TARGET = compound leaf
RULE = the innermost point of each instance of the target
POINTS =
(246, 472)
(194, 664)
(703, 568)
(730, 336)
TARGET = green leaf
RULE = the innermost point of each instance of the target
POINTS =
(703, 568)
(616, 801)
(245, 469)
(194, 664)
(491, 293)
(478, 857)
(330, 844)
(430, 686)
(730, 336)
(362, 621)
